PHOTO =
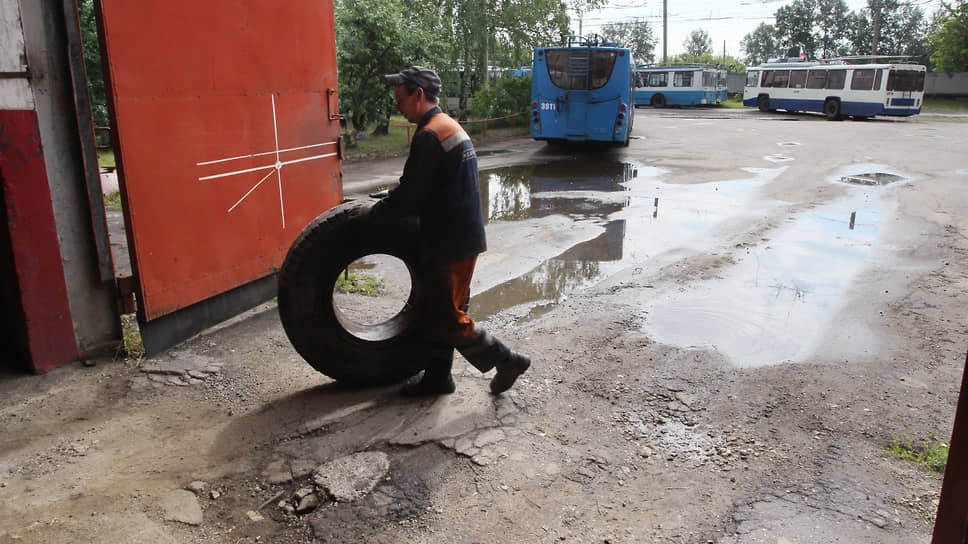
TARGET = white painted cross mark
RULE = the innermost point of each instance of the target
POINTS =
(275, 167)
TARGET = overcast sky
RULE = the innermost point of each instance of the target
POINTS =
(727, 21)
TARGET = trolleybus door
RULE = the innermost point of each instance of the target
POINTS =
(576, 104)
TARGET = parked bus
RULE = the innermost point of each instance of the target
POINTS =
(836, 88)
(661, 86)
(582, 92)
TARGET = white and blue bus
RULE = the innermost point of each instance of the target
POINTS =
(661, 86)
(835, 88)
(582, 92)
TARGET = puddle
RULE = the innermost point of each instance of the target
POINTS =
(778, 158)
(870, 175)
(872, 178)
(774, 305)
(635, 213)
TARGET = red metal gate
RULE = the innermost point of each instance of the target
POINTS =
(227, 142)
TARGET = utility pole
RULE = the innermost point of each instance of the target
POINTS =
(876, 7)
(665, 32)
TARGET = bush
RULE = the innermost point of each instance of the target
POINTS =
(503, 97)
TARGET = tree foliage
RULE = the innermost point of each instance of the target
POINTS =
(506, 96)
(902, 31)
(636, 35)
(373, 38)
(92, 62)
(950, 40)
(732, 64)
(760, 45)
(826, 28)
(698, 43)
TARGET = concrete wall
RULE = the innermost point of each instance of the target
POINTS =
(14, 92)
(93, 302)
(946, 84)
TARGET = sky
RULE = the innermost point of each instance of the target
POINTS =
(725, 21)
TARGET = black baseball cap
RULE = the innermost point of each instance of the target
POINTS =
(425, 78)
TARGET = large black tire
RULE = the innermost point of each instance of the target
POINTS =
(379, 354)
(658, 101)
(831, 108)
(763, 103)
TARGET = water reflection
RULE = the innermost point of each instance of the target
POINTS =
(619, 198)
(521, 192)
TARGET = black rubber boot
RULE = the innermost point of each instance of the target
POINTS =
(508, 371)
(436, 379)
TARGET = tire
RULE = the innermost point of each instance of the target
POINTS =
(380, 354)
(658, 101)
(763, 103)
(831, 108)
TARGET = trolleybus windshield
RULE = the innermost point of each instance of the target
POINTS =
(580, 69)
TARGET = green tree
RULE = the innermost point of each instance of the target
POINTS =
(732, 65)
(92, 62)
(373, 38)
(902, 31)
(507, 96)
(483, 33)
(833, 24)
(795, 25)
(950, 40)
(698, 43)
(636, 35)
(760, 45)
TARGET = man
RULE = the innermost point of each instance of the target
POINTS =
(440, 186)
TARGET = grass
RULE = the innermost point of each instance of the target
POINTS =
(395, 143)
(943, 104)
(734, 101)
(112, 201)
(105, 158)
(132, 348)
(361, 284)
(931, 453)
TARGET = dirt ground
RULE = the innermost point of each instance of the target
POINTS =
(624, 430)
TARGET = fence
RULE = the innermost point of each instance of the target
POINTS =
(483, 123)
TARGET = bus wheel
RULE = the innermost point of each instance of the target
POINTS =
(340, 348)
(831, 108)
(763, 103)
(658, 101)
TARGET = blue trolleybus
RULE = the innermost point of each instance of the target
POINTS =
(661, 86)
(582, 92)
(836, 88)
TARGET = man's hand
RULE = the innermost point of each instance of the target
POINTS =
(361, 212)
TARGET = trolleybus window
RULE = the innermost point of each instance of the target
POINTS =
(776, 78)
(579, 69)
(862, 80)
(797, 79)
(817, 79)
(752, 78)
(905, 80)
(836, 78)
(657, 79)
(682, 79)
